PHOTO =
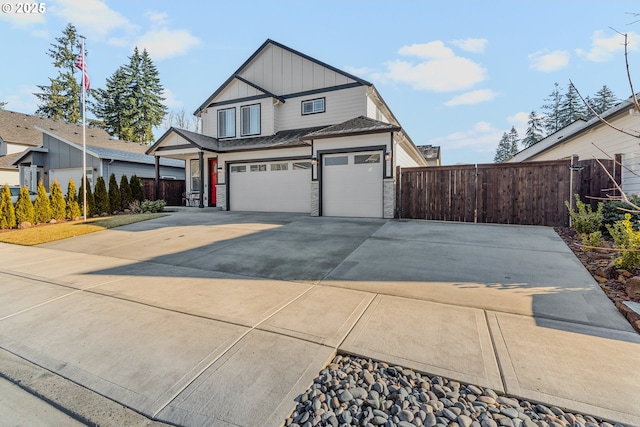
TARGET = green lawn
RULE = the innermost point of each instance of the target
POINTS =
(52, 232)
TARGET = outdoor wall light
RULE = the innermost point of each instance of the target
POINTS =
(314, 160)
(387, 156)
(220, 169)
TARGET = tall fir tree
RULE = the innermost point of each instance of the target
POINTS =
(7, 210)
(534, 130)
(101, 197)
(115, 198)
(571, 108)
(603, 100)
(58, 204)
(552, 110)
(504, 149)
(125, 192)
(514, 140)
(60, 99)
(132, 102)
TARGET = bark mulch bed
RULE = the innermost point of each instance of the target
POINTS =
(615, 282)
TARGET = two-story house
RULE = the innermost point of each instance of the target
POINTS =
(289, 133)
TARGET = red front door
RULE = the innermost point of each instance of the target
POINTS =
(213, 180)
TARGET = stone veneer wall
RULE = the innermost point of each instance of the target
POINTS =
(221, 196)
(315, 198)
(389, 198)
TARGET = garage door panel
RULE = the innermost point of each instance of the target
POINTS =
(352, 184)
(266, 187)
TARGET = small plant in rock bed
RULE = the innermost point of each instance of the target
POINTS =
(583, 219)
(153, 206)
(628, 241)
(614, 211)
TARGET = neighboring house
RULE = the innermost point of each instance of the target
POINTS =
(59, 156)
(596, 140)
(17, 133)
(289, 133)
(431, 154)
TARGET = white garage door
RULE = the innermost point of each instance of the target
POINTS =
(352, 184)
(275, 186)
(63, 176)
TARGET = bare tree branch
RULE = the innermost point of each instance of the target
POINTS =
(622, 195)
(615, 161)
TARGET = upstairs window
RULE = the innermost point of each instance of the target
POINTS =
(313, 106)
(227, 123)
(250, 121)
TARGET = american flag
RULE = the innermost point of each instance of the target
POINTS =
(81, 65)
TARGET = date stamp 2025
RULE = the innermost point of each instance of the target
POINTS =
(23, 8)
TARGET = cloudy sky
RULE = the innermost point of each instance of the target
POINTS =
(455, 73)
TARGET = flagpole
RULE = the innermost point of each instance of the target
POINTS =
(84, 137)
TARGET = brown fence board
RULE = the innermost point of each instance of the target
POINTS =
(171, 190)
(531, 193)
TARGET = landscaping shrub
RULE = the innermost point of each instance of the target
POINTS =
(72, 210)
(90, 201)
(115, 200)
(24, 207)
(125, 192)
(101, 197)
(583, 219)
(628, 241)
(137, 193)
(134, 207)
(153, 206)
(58, 205)
(7, 211)
(613, 211)
(42, 206)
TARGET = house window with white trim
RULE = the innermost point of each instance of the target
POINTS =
(313, 106)
(227, 123)
(250, 120)
(195, 174)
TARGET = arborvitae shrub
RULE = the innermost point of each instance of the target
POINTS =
(101, 197)
(7, 211)
(72, 210)
(43, 205)
(90, 201)
(136, 189)
(58, 205)
(125, 192)
(24, 207)
(115, 200)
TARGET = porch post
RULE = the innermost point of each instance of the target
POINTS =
(201, 191)
(157, 160)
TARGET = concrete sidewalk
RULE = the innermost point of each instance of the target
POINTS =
(224, 318)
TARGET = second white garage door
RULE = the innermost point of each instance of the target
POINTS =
(274, 186)
(352, 184)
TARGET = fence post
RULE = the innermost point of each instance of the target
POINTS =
(573, 183)
(398, 212)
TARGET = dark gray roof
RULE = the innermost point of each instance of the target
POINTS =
(429, 152)
(358, 125)
(107, 153)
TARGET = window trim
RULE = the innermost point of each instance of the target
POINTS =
(224, 110)
(312, 101)
(242, 107)
(193, 177)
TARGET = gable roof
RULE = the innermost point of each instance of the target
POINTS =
(236, 74)
(19, 128)
(357, 125)
(429, 152)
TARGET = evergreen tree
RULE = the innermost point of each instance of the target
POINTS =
(137, 193)
(125, 192)
(60, 99)
(2, 105)
(115, 199)
(503, 152)
(513, 140)
(72, 211)
(603, 100)
(551, 109)
(58, 204)
(24, 207)
(571, 108)
(42, 206)
(101, 197)
(534, 130)
(7, 210)
(90, 201)
(132, 103)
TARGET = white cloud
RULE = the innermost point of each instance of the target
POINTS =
(171, 100)
(24, 21)
(472, 45)
(431, 50)
(519, 120)
(548, 61)
(92, 18)
(604, 48)
(158, 18)
(473, 97)
(164, 43)
(359, 71)
(481, 138)
(21, 100)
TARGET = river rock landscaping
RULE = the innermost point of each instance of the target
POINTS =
(355, 391)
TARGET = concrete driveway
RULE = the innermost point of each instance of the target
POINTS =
(224, 318)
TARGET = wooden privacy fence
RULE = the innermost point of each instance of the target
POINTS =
(171, 190)
(531, 193)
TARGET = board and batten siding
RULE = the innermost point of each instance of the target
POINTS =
(210, 117)
(594, 143)
(283, 72)
(340, 106)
